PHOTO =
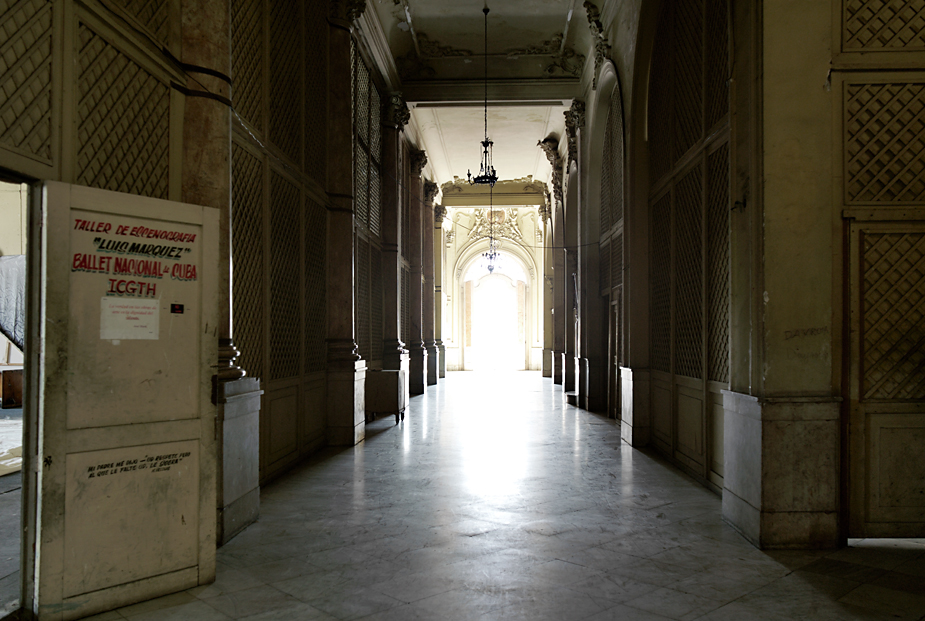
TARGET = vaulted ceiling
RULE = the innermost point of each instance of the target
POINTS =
(535, 57)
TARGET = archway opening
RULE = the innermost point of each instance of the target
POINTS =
(496, 316)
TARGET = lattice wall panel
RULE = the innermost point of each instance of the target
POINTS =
(617, 154)
(605, 267)
(123, 121)
(885, 143)
(616, 260)
(364, 343)
(285, 276)
(893, 316)
(687, 80)
(405, 305)
(316, 88)
(361, 98)
(152, 14)
(405, 215)
(718, 265)
(247, 60)
(660, 284)
(716, 62)
(286, 78)
(689, 270)
(247, 258)
(376, 305)
(606, 180)
(660, 109)
(884, 24)
(315, 287)
(361, 185)
(375, 201)
(25, 76)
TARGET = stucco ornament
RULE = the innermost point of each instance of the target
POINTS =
(601, 45)
(499, 222)
(563, 57)
(430, 190)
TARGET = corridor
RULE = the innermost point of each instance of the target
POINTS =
(496, 500)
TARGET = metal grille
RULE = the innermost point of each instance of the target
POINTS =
(247, 49)
(375, 201)
(375, 123)
(885, 143)
(405, 203)
(375, 309)
(247, 258)
(405, 305)
(361, 98)
(606, 181)
(884, 24)
(151, 13)
(316, 88)
(660, 109)
(605, 267)
(285, 78)
(315, 287)
(716, 65)
(616, 260)
(687, 80)
(123, 122)
(894, 316)
(718, 264)
(660, 279)
(285, 328)
(689, 269)
(361, 185)
(367, 144)
(363, 299)
(615, 134)
(25, 76)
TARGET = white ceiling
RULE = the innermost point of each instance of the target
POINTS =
(452, 137)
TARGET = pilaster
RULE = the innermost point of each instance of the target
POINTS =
(428, 318)
(416, 348)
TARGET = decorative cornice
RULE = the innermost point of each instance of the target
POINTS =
(574, 120)
(550, 147)
(564, 58)
(418, 162)
(347, 10)
(601, 45)
(430, 188)
(396, 114)
(433, 49)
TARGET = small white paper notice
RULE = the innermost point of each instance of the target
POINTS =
(125, 319)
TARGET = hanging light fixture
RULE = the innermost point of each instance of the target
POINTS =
(487, 173)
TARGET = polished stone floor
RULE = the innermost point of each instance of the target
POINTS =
(496, 500)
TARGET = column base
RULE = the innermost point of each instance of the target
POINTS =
(547, 362)
(571, 372)
(635, 424)
(781, 476)
(399, 361)
(558, 367)
(593, 389)
(239, 416)
(346, 404)
(417, 376)
(441, 368)
(433, 364)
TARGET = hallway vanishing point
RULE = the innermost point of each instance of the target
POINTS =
(494, 499)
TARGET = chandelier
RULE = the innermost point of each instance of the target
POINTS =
(492, 255)
(487, 173)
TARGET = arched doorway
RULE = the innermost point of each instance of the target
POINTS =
(495, 316)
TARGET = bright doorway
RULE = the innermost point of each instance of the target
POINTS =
(495, 306)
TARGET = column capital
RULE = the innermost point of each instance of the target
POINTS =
(439, 214)
(396, 113)
(430, 190)
(574, 120)
(346, 10)
(418, 162)
(550, 147)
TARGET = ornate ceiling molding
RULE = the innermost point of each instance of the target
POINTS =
(574, 120)
(564, 58)
(550, 147)
(433, 49)
(601, 45)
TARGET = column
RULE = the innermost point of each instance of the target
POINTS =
(547, 285)
(416, 349)
(558, 289)
(439, 296)
(346, 374)
(207, 181)
(430, 344)
(394, 354)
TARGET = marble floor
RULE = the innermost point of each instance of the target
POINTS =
(496, 500)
